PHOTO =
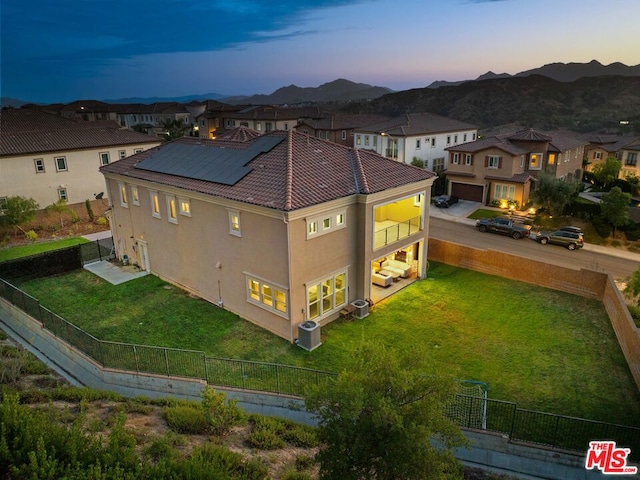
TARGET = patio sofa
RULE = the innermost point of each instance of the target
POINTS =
(381, 279)
(401, 268)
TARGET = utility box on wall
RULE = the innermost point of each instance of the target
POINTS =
(309, 335)
(361, 308)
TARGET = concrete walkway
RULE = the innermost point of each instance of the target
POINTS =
(115, 274)
(92, 237)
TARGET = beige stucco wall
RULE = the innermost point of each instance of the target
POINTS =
(81, 179)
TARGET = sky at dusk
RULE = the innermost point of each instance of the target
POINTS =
(65, 50)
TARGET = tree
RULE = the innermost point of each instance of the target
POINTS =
(60, 207)
(18, 210)
(607, 171)
(378, 418)
(615, 207)
(175, 128)
(553, 193)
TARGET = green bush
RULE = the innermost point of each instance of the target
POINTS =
(632, 231)
(31, 235)
(213, 461)
(271, 433)
(295, 475)
(602, 227)
(87, 204)
(102, 221)
(304, 462)
(634, 310)
(265, 440)
(221, 416)
(186, 419)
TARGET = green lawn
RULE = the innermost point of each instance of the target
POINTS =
(545, 350)
(485, 213)
(34, 248)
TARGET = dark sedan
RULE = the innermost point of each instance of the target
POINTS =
(445, 201)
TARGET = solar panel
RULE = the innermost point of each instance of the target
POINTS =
(205, 162)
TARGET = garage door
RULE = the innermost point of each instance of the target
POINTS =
(467, 192)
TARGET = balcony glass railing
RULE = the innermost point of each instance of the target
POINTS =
(392, 233)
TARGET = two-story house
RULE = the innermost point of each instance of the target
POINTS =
(269, 118)
(624, 149)
(501, 168)
(415, 135)
(46, 157)
(280, 229)
(338, 128)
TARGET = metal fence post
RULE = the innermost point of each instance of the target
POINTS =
(277, 379)
(135, 356)
(166, 361)
(555, 432)
(242, 372)
(513, 421)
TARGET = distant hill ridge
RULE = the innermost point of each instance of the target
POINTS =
(562, 72)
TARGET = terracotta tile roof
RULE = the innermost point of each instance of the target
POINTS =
(342, 122)
(261, 112)
(529, 135)
(417, 124)
(299, 172)
(497, 141)
(27, 131)
(517, 178)
(239, 134)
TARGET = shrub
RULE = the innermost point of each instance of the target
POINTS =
(602, 227)
(185, 419)
(295, 475)
(87, 204)
(31, 235)
(417, 162)
(304, 462)
(102, 221)
(634, 310)
(265, 439)
(221, 416)
(270, 433)
(214, 461)
(632, 231)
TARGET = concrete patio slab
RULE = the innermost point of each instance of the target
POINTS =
(115, 274)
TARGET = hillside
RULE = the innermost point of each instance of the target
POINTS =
(585, 105)
(340, 90)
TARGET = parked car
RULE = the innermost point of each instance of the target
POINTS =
(502, 225)
(445, 201)
(571, 240)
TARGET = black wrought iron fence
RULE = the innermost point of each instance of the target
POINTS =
(556, 431)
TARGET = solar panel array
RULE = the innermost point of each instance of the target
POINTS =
(205, 162)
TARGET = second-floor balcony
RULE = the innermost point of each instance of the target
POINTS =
(390, 231)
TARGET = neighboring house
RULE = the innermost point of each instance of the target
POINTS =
(150, 117)
(280, 229)
(211, 122)
(501, 168)
(85, 110)
(338, 128)
(415, 135)
(268, 118)
(625, 149)
(46, 157)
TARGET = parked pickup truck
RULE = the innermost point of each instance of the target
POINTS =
(502, 225)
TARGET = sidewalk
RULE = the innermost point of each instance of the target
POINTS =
(461, 210)
(92, 237)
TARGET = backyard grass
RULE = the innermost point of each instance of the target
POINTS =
(35, 248)
(545, 350)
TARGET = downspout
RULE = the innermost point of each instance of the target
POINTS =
(286, 222)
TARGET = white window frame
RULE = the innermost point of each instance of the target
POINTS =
(155, 204)
(122, 188)
(456, 158)
(184, 205)
(417, 144)
(333, 295)
(344, 134)
(138, 150)
(122, 154)
(64, 164)
(358, 139)
(340, 219)
(235, 225)
(172, 209)
(448, 139)
(511, 191)
(63, 194)
(39, 164)
(268, 295)
(312, 228)
(326, 223)
(468, 158)
(316, 226)
(540, 157)
(494, 162)
(135, 196)
(104, 156)
(433, 142)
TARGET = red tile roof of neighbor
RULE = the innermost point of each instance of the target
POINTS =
(340, 122)
(417, 124)
(239, 134)
(298, 172)
(25, 131)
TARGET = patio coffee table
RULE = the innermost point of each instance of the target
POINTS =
(394, 275)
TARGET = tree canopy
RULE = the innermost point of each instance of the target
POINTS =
(607, 171)
(18, 210)
(553, 193)
(379, 417)
(615, 207)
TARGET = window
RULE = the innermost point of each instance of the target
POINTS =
(326, 223)
(286, 126)
(448, 139)
(234, 223)
(433, 142)
(506, 192)
(632, 159)
(122, 154)
(468, 159)
(464, 137)
(455, 139)
(312, 228)
(358, 140)
(137, 150)
(417, 199)
(597, 155)
(344, 134)
(375, 140)
(258, 126)
(39, 162)
(61, 164)
(535, 161)
(185, 206)
(493, 162)
(456, 158)
(438, 164)
(135, 198)
(326, 296)
(62, 194)
(551, 159)
(267, 126)
(172, 210)
(418, 144)
(104, 158)
(123, 194)
(267, 296)
(521, 161)
(473, 136)
(155, 204)
(340, 219)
